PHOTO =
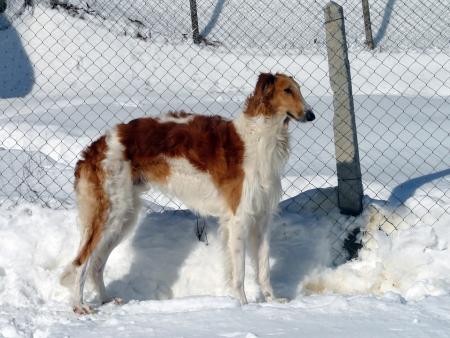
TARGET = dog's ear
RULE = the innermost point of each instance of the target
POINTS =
(264, 85)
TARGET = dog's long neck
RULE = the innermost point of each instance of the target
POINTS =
(266, 136)
(266, 152)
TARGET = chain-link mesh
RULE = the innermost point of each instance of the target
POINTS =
(71, 69)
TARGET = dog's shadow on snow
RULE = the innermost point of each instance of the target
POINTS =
(301, 238)
(163, 241)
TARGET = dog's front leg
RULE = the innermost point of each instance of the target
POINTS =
(236, 247)
(264, 264)
(260, 251)
(260, 239)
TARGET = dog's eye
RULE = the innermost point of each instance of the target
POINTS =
(288, 91)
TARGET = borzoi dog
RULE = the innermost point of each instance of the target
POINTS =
(217, 167)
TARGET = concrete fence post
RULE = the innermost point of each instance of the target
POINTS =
(194, 22)
(367, 24)
(350, 190)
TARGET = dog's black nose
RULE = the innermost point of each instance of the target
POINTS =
(310, 115)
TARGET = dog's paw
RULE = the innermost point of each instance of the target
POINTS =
(82, 309)
(114, 300)
(280, 300)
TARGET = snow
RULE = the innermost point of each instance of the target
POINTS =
(69, 79)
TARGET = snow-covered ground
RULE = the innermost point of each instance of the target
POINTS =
(66, 79)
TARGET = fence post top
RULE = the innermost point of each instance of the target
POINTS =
(333, 11)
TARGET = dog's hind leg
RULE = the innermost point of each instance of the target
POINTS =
(93, 210)
(123, 200)
(116, 230)
(107, 205)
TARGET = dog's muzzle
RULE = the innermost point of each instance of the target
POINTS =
(308, 116)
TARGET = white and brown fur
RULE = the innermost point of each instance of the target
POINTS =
(237, 165)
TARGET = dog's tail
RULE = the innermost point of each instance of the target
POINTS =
(67, 278)
(93, 205)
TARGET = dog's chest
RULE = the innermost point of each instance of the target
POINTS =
(263, 166)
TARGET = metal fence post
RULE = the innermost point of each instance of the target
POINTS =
(194, 21)
(367, 24)
(350, 190)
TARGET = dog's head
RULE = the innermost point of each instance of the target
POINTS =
(280, 97)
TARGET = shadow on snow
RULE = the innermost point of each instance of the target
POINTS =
(300, 242)
(163, 241)
(214, 18)
(16, 71)
(385, 22)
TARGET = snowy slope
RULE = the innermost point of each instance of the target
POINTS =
(267, 24)
(167, 278)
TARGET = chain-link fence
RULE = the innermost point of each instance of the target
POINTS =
(71, 69)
